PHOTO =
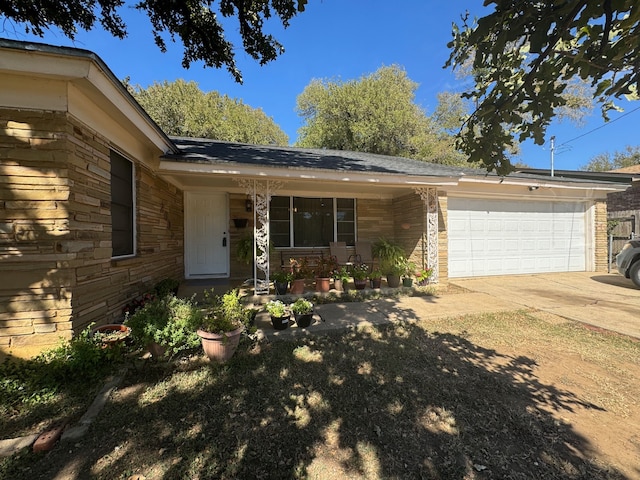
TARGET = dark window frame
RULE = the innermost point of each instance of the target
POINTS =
(123, 206)
(285, 221)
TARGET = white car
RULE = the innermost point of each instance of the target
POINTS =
(628, 261)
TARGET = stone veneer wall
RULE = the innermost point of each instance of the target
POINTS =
(55, 226)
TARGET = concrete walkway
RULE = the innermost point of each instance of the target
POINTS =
(607, 301)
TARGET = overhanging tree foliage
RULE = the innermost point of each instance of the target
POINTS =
(377, 114)
(196, 23)
(180, 108)
(524, 56)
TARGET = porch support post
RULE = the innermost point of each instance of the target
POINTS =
(260, 192)
(429, 196)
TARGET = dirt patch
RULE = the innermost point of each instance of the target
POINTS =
(511, 395)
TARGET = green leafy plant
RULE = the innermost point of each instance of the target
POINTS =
(244, 250)
(171, 322)
(409, 268)
(302, 306)
(375, 274)
(325, 267)
(166, 287)
(390, 254)
(423, 275)
(341, 274)
(360, 271)
(300, 268)
(225, 313)
(282, 276)
(276, 308)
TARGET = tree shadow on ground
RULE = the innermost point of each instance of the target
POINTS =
(387, 402)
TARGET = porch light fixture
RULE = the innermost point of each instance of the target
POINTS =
(248, 205)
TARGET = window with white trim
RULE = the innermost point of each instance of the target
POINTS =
(312, 222)
(122, 206)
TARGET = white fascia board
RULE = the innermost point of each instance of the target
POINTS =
(605, 187)
(192, 168)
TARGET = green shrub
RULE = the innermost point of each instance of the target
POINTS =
(171, 322)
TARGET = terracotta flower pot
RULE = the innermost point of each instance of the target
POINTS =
(220, 347)
(323, 284)
(111, 334)
(297, 286)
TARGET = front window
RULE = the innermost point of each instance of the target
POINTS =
(311, 222)
(122, 206)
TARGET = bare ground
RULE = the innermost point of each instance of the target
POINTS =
(519, 395)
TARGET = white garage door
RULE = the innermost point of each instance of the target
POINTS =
(498, 237)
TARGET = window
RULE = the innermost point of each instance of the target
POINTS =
(311, 222)
(122, 206)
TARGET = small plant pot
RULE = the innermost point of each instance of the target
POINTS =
(303, 320)
(337, 285)
(360, 284)
(280, 323)
(323, 284)
(407, 282)
(220, 347)
(297, 286)
(281, 287)
(376, 282)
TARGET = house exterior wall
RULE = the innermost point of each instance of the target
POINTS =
(55, 227)
(601, 252)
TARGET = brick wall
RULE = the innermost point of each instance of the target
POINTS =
(55, 227)
(623, 201)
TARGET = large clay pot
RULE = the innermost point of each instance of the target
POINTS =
(220, 347)
(393, 281)
(323, 284)
(297, 286)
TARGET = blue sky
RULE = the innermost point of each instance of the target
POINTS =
(343, 39)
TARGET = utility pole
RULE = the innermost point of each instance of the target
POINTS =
(553, 144)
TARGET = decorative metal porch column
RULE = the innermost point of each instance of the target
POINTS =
(260, 192)
(429, 196)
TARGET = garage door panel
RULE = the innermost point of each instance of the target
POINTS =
(497, 237)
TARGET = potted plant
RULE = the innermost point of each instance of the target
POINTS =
(391, 257)
(222, 325)
(301, 271)
(110, 334)
(375, 277)
(167, 286)
(168, 322)
(281, 281)
(360, 272)
(407, 278)
(423, 276)
(323, 271)
(303, 312)
(341, 278)
(279, 314)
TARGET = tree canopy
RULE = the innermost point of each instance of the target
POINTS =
(605, 162)
(377, 114)
(525, 55)
(180, 108)
(196, 23)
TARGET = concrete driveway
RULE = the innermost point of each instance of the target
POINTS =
(609, 301)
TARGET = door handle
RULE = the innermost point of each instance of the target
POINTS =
(224, 241)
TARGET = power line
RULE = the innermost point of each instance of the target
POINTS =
(601, 126)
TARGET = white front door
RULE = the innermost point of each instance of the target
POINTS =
(206, 235)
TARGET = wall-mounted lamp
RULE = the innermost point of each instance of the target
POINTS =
(248, 205)
(533, 187)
